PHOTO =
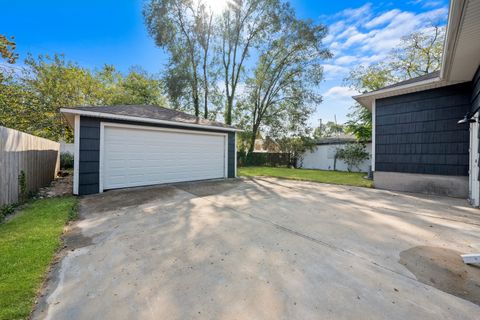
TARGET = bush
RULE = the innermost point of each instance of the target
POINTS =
(353, 154)
(6, 210)
(66, 161)
(263, 159)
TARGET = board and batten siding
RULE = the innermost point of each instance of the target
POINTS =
(89, 162)
(418, 132)
(38, 158)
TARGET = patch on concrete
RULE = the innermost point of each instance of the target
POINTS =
(443, 269)
(208, 188)
(116, 199)
(74, 239)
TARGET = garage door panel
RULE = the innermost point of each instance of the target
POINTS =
(136, 157)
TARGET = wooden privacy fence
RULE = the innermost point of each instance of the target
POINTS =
(38, 158)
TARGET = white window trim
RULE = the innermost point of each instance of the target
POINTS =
(76, 154)
(142, 127)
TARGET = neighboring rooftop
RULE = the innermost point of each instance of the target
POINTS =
(340, 139)
(147, 112)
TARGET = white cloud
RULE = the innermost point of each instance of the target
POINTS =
(345, 60)
(357, 13)
(382, 19)
(331, 68)
(366, 35)
(339, 91)
(359, 29)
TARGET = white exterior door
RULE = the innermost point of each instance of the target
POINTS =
(474, 184)
(137, 156)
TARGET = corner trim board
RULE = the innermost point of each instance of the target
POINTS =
(76, 155)
(374, 112)
(100, 157)
(235, 156)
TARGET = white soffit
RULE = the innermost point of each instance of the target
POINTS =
(465, 57)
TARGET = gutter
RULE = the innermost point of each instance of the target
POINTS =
(405, 86)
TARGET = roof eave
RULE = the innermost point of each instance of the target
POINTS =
(367, 99)
(104, 115)
(455, 17)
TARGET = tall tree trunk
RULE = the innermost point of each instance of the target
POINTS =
(228, 110)
(205, 102)
(251, 147)
(205, 78)
(196, 102)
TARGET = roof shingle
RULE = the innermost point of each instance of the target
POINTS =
(152, 112)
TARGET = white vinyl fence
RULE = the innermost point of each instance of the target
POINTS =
(322, 157)
(38, 158)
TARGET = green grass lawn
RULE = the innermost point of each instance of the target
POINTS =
(28, 243)
(334, 177)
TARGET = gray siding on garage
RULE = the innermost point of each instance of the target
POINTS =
(418, 132)
(89, 163)
(88, 175)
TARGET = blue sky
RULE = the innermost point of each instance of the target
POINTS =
(93, 33)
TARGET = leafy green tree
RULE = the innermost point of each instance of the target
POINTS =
(353, 154)
(30, 100)
(136, 88)
(296, 146)
(328, 129)
(282, 90)
(419, 53)
(359, 123)
(7, 49)
(184, 28)
(246, 25)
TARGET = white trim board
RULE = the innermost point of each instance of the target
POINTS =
(143, 127)
(144, 120)
(374, 112)
(76, 154)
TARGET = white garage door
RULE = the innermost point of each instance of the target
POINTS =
(139, 157)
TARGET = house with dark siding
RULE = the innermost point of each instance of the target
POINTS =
(425, 130)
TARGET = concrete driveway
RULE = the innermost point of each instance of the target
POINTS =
(266, 249)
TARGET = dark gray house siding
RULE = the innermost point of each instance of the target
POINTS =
(418, 132)
(476, 91)
(89, 162)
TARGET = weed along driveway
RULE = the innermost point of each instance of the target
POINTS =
(266, 248)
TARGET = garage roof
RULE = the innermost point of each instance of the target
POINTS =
(145, 113)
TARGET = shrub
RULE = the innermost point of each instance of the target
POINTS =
(6, 210)
(353, 154)
(66, 161)
(22, 183)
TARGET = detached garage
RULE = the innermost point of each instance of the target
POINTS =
(132, 146)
